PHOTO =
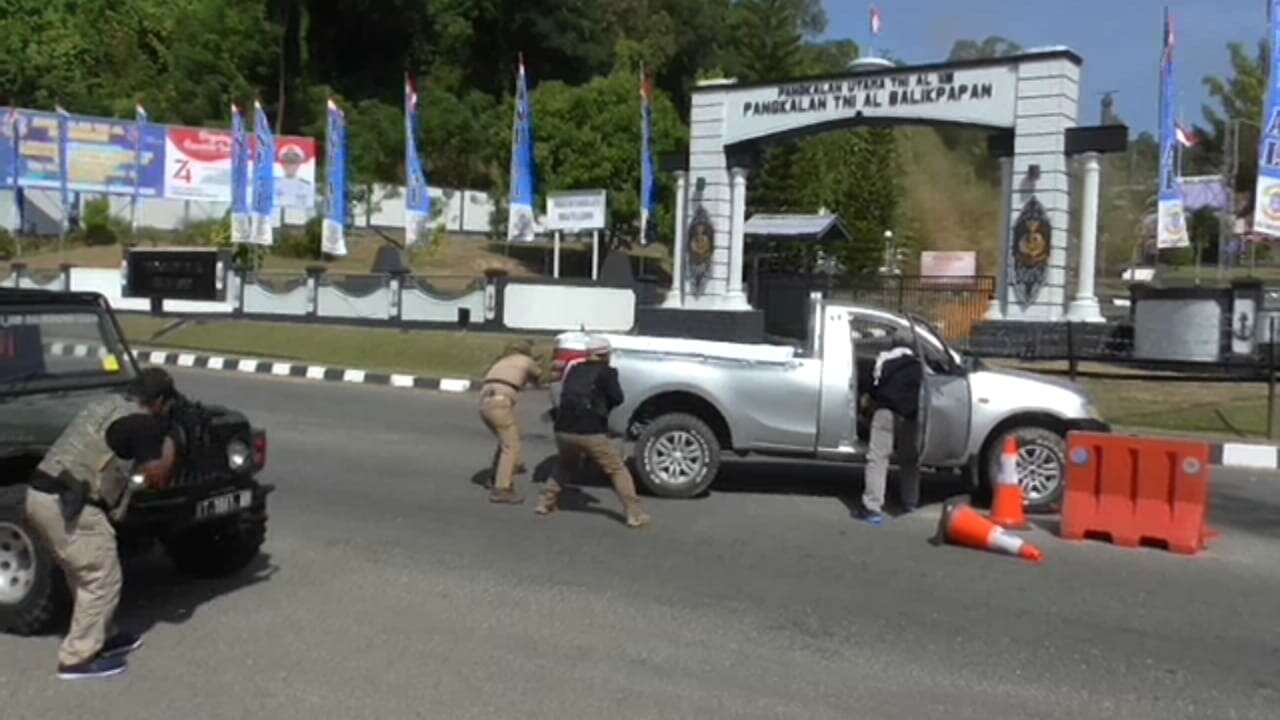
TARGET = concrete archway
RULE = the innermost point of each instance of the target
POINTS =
(1031, 99)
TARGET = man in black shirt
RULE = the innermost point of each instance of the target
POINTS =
(895, 401)
(589, 392)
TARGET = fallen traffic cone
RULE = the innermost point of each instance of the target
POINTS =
(1006, 507)
(962, 525)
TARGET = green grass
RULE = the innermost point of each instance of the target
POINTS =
(429, 353)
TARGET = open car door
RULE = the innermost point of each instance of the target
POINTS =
(942, 432)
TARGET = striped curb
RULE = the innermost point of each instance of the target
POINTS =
(1244, 455)
(276, 368)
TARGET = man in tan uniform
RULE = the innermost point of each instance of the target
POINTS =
(515, 369)
(83, 483)
(589, 393)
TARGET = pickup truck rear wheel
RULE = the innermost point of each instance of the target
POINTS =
(33, 594)
(1042, 465)
(677, 456)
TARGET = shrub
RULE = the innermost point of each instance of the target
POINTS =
(303, 244)
(8, 246)
(99, 227)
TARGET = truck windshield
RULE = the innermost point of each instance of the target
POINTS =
(53, 348)
(937, 350)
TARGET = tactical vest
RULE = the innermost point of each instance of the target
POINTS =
(82, 451)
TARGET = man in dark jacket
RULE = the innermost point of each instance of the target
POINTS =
(895, 401)
(589, 392)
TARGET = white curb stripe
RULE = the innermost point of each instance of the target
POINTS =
(186, 360)
(157, 358)
(402, 381)
(1259, 457)
(315, 372)
(57, 348)
(216, 363)
(280, 369)
(455, 386)
(80, 351)
(353, 376)
(247, 365)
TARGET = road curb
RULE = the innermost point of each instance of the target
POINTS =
(276, 368)
(1244, 455)
(301, 371)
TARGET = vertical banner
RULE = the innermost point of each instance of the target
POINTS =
(264, 179)
(1171, 226)
(240, 224)
(1266, 214)
(9, 148)
(520, 209)
(648, 181)
(417, 201)
(332, 234)
(140, 123)
(63, 119)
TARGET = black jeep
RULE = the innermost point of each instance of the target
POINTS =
(58, 352)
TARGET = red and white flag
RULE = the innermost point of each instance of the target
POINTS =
(876, 20)
(1185, 137)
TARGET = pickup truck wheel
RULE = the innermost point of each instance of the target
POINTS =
(32, 591)
(677, 456)
(219, 548)
(1042, 465)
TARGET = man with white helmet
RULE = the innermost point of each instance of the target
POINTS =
(589, 392)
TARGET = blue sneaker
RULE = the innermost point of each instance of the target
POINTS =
(873, 519)
(98, 667)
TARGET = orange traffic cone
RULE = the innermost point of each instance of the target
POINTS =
(1006, 507)
(962, 525)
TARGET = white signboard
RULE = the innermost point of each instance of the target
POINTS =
(976, 96)
(942, 268)
(577, 211)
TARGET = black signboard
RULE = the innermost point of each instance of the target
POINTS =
(175, 274)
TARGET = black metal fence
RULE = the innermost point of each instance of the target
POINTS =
(952, 304)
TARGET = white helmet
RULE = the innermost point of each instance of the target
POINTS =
(598, 345)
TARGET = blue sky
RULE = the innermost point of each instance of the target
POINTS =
(1118, 39)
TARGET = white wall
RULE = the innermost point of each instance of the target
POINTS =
(567, 307)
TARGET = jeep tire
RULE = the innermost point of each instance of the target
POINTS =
(219, 548)
(34, 595)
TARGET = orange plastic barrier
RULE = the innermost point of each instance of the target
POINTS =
(1136, 490)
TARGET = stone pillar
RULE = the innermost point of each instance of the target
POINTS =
(737, 238)
(675, 298)
(998, 303)
(395, 292)
(711, 192)
(1084, 308)
(1047, 105)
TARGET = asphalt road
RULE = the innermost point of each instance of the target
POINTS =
(392, 589)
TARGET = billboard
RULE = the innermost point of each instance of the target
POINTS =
(198, 167)
(100, 154)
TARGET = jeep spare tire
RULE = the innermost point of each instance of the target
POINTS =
(677, 456)
(32, 590)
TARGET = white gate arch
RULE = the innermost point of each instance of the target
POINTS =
(1033, 96)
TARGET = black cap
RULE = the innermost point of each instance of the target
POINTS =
(153, 384)
(138, 437)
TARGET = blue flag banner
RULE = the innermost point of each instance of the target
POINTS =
(1266, 214)
(333, 232)
(1172, 224)
(9, 147)
(648, 179)
(264, 179)
(417, 200)
(64, 118)
(240, 224)
(520, 211)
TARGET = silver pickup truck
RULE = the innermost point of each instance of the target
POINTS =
(690, 401)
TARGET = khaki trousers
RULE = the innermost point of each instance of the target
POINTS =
(498, 413)
(87, 554)
(599, 450)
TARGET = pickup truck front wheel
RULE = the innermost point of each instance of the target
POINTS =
(677, 456)
(1042, 465)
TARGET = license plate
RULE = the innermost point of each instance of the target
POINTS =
(224, 504)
